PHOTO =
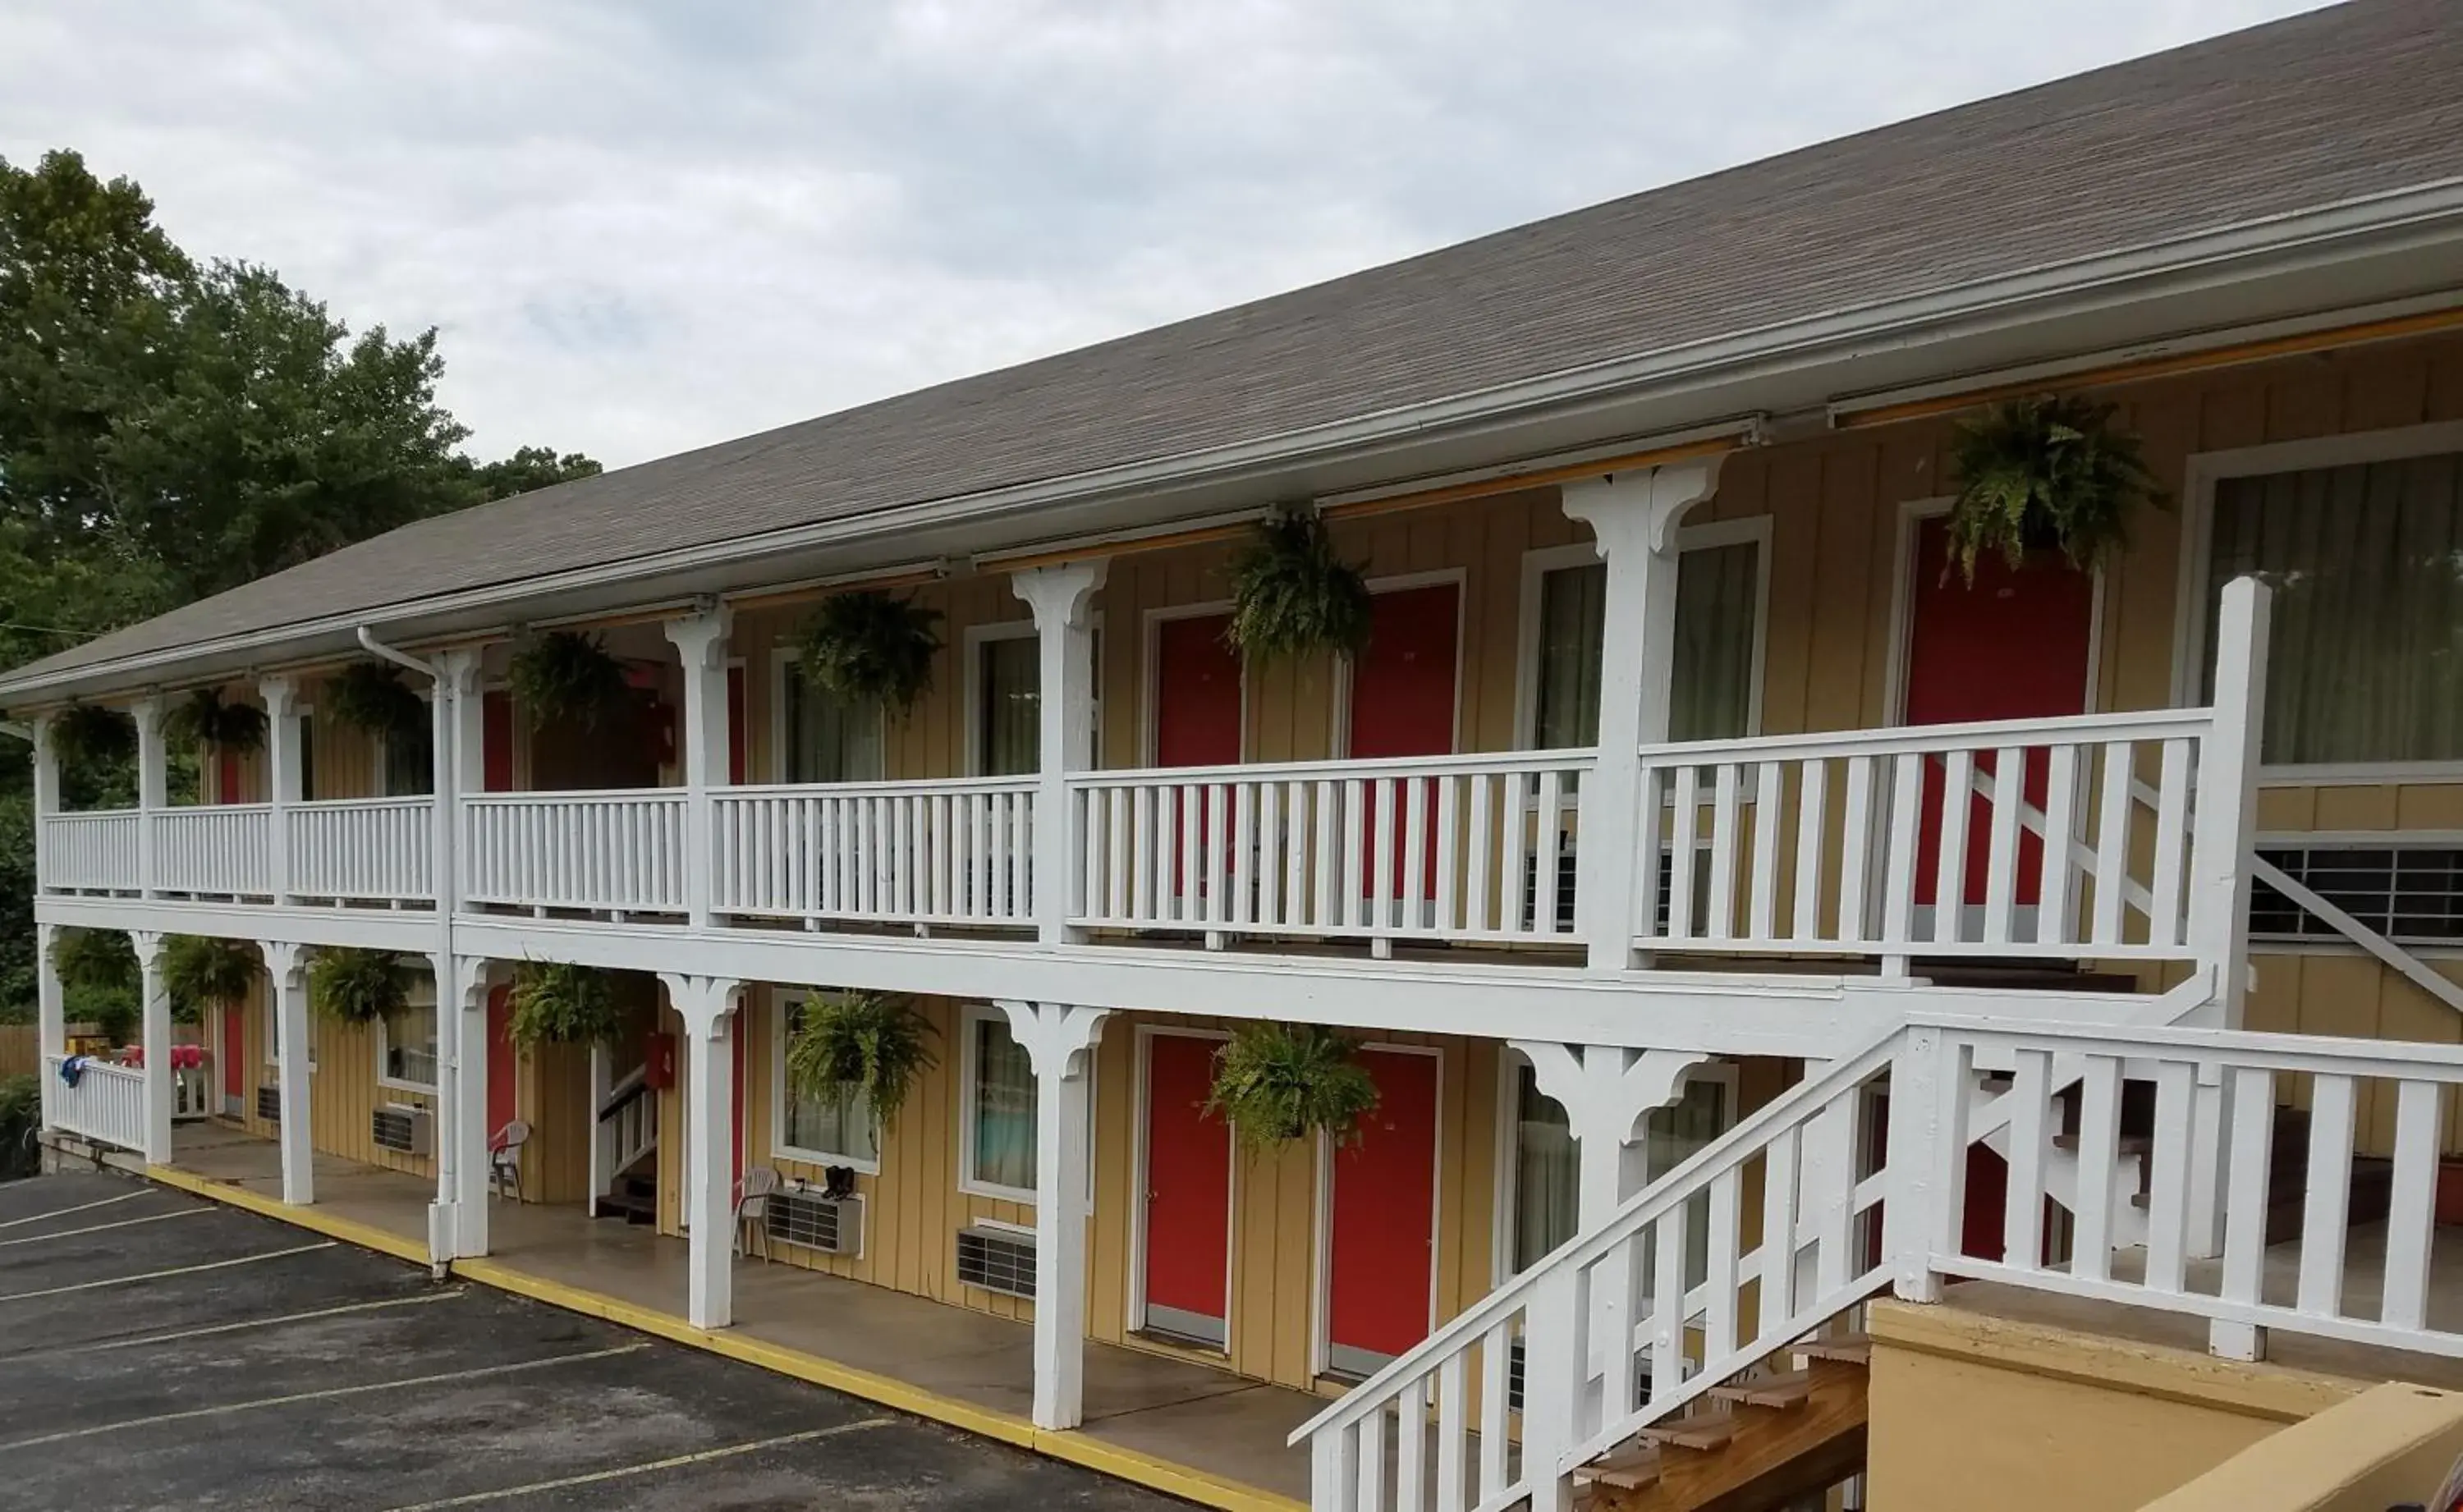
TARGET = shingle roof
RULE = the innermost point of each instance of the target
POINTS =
(2321, 108)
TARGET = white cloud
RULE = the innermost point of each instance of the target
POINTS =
(648, 226)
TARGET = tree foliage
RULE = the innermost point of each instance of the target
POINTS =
(172, 426)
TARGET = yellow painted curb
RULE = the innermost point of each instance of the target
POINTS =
(1076, 1448)
(351, 1231)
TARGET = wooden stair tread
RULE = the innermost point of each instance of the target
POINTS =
(1782, 1390)
(1855, 1349)
(1703, 1431)
(1628, 1469)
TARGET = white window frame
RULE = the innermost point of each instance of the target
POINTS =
(1141, 1111)
(383, 1037)
(1508, 1066)
(968, 1016)
(1539, 562)
(1149, 731)
(2205, 469)
(782, 665)
(977, 636)
(781, 1000)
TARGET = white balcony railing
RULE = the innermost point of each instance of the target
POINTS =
(1445, 848)
(924, 853)
(1844, 844)
(223, 850)
(92, 852)
(376, 850)
(607, 851)
(107, 1104)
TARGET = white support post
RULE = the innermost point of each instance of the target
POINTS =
(2226, 813)
(150, 789)
(464, 1120)
(453, 686)
(47, 790)
(1059, 1040)
(154, 999)
(282, 770)
(1633, 516)
(51, 1017)
(707, 1007)
(1061, 598)
(286, 974)
(1908, 1219)
(700, 640)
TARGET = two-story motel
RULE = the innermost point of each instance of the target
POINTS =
(1622, 849)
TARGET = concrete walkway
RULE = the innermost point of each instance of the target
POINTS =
(1207, 1434)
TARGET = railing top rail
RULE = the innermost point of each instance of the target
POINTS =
(196, 810)
(903, 787)
(96, 1066)
(337, 805)
(88, 816)
(2258, 1050)
(1568, 759)
(642, 795)
(2144, 723)
(1660, 1197)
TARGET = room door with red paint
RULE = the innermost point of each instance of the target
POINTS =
(502, 1105)
(1188, 1194)
(1196, 711)
(234, 1053)
(496, 742)
(1382, 1247)
(2012, 645)
(1403, 690)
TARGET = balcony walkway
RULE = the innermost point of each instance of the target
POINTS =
(1206, 1434)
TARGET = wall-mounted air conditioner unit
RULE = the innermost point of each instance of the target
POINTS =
(833, 1226)
(404, 1127)
(999, 1259)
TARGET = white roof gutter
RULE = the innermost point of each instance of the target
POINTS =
(2281, 242)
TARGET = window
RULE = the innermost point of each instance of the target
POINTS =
(824, 738)
(306, 720)
(1718, 633)
(826, 1130)
(2366, 563)
(1008, 680)
(1546, 1198)
(1000, 1109)
(406, 1042)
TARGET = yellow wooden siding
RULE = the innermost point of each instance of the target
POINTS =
(343, 1093)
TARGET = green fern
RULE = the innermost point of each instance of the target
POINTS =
(204, 719)
(372, 697)
(565, 677)
(1277, 1082)
(1293, 595)
(84, 734)
(869, 1041)
(358, 986)
(2045, 472)
(870, 647)
(554, 1002)
(199, 970)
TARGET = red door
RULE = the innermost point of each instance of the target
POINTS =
(1384, 1207)
(1189, 1191)
(735, 713)
(1403, 697)
(496, 739)
(736, 1038)
(227, 766)
(500, 1060)
(1197, 693)
(2012, 645)
(234, 1051)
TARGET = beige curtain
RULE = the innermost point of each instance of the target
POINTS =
(1711, 697)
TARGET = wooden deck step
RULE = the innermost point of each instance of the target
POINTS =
(1855, 1349)
(1630, 1469)
(1703, 1431)
(1782, 1390)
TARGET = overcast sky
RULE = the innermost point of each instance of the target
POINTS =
(643, 226)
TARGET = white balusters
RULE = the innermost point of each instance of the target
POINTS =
(91, 852)
(613, 852)
(377, 849)
(935, 853)
(107, 1104)
(215, 850)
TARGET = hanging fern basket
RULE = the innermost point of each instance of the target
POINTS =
(870, 648)
(372, 697)
(2045, 474)
(565, 677)
(87, 734)
(555, 1003)
(204, 719)
(1293, 595)
(199, 970)
(872, 1043)
(358, 986)
(1278, 1083)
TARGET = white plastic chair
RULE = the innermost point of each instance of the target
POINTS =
(504, 1158)
(753, 1206)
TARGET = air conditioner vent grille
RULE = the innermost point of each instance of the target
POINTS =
(997, 1259)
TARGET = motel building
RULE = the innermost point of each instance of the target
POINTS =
(1842, 1030)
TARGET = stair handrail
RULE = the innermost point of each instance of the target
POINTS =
(634, 1084)
(1748, 1138)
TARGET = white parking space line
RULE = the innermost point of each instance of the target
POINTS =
(158, 1275)
(646, 1467)
(176, 1335)
(97, 1228)
(63, 1212)
(220, 1408)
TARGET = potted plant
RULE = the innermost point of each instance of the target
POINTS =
(84, 734)
(1278, 1082)
(2044, 474)
(1291, 594)
(204, 719)
(870, 647)
(200, 969)
(371, 695)
(567, 676)
(99, 980)
(555, 1002)
(356, 984)
(873, 1043)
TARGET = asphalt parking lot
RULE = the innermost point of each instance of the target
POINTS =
(160, 1350)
